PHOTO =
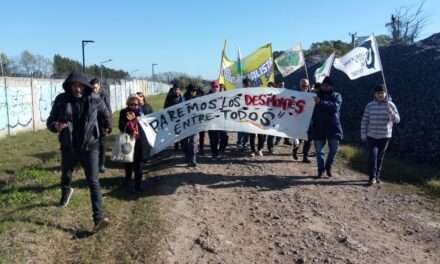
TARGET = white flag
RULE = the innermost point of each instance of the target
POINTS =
(324, 70)
(360, 61)
(290, 61)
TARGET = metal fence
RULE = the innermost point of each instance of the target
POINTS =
(25, 103)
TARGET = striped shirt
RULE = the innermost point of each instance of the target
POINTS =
(378, 120)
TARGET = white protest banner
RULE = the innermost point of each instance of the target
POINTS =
(325, 69)
(360, 61)
(270, 111)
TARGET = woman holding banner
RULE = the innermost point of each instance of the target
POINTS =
(326, 126)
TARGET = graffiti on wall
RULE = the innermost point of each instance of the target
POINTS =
(19, 106)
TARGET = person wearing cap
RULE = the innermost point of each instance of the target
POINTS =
(98, 89)
(218, 139)
(75, 116)
(326, 125)
(377, 128)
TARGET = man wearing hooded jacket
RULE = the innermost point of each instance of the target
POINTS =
(74, 116)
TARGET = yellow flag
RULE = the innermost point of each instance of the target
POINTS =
(258, 67)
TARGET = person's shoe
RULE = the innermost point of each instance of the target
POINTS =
(101, 169)
(329, 172)
(192, 164)
(372, 181)
(65, 197)
(294, 156)
(260, 153)
(378, 181)
(101, 224)
(306, 160)
(270, 151)
(320, 174)
(252, 154)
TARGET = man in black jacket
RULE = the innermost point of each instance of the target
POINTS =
(98, 89)
(74, 116)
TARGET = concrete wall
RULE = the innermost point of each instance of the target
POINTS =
(25, 103)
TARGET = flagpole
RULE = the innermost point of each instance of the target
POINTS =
(221, 59)
(305, 63)
(380, 62)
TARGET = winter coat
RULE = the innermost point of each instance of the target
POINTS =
(326, 120)
(94, 109)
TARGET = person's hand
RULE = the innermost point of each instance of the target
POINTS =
(130, 116)
(317, 100)
(59, 126)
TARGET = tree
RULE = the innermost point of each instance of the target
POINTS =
(406, 24)
(27, 63)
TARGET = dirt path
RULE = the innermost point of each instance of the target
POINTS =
(271, 210)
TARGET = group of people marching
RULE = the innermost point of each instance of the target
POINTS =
(82, 116)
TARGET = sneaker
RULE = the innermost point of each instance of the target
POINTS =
(101, 224)
(271, 151)
(192, 165)
(65, 197)
(372, 182)
(101, 169)
(260, 153)
(252, 154)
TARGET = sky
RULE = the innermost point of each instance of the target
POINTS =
(187, 36)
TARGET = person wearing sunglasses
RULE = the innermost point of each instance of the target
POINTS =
(129, 123)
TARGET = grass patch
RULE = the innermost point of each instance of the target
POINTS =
(32, 226)
(394, 170)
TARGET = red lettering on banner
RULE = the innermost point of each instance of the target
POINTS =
(275, 101)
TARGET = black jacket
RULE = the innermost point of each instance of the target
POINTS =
(172, 98)
(326, 121)
(94, 110)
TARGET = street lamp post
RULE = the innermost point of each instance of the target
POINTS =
(152, 70)
(102, 66)
(83, 44)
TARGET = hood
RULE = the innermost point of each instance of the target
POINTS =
(77, 77)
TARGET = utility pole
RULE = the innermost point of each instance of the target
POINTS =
(102, 66)
(83, 44)
(353, 38)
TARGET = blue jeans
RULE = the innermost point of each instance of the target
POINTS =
(242, 139)
(333, 145)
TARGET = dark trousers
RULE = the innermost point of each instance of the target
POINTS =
(190, 149)
(377, 149)
(261, 140)
(201, 141)
(306, 149)
(218, 141)
(136, 165)
(89, 160)
(270, 142)
(102, 148)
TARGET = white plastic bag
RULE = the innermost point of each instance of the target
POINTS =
(123, 148)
